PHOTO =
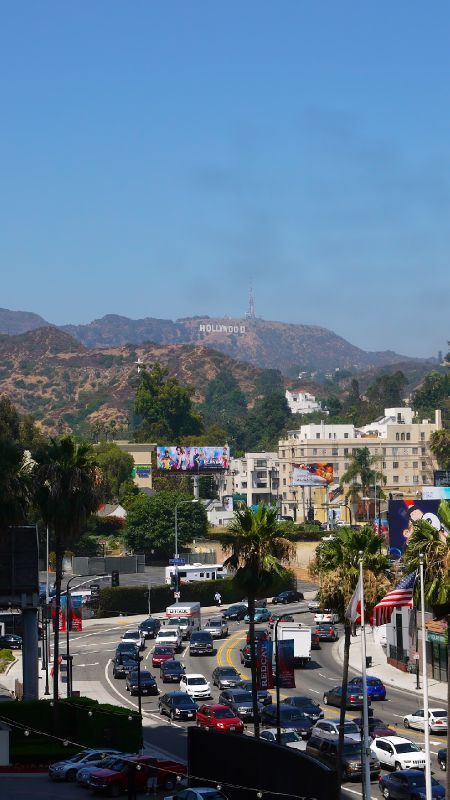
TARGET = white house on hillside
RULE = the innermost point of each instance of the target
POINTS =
(302, 402)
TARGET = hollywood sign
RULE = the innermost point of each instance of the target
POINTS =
(215, 328)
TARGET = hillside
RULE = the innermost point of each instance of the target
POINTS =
(65, 385)
(14, 322)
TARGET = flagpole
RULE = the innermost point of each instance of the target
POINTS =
(425, 687)
(365, 748)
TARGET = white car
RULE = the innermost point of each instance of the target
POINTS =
(289, 738)
(397, 752)
(134, 637)
(313, 605)
(197, 793)
(437, 720)
(170, 637)
(195, 685)
(326, 616)
(330, 727)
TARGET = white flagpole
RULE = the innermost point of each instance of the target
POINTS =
(425, 687)
(365, 747)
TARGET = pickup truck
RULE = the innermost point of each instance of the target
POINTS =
(114, 780)
(326, 616)
(170, 636)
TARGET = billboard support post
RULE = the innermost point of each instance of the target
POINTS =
(196, 484)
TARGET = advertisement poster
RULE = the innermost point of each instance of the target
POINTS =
(76, 619)
(141, 470)
(436, 493)
(192, 459)
(264, 673)
(286, 663)
(402, 515)
(228, 502)
(312, 474)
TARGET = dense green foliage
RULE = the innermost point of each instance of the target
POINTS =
(165, 408)
(150, 523)
(116, 466)
(440, 447)
(433, 393)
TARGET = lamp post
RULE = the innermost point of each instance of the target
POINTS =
(68, 601)
(182, 502)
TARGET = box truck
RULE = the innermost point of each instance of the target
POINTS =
(185, 616)
(301, 635)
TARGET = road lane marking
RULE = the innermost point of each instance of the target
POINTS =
(95, 664)
(130, 702)
(353, 791)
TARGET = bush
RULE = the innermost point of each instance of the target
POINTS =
(6, 657)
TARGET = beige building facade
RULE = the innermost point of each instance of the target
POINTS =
(142, 456)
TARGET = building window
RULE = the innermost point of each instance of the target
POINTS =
(330, 435)
(415, 465)
(423, 451)
(395, 465)
(317, 435)
(345, 451)
(244, 484)
(292, 452)
(425, 478)
(283, 454)
(424, 464)
(383, 465)
(302, 451)
(408, 437)
(260, 463)
(346, 465)
(345, 435)
(395, 478)
(334, 451)
(284, 481)
(336, 467)
(314, 451)
(402, 437)
(415, 479)
(397, 436)
(422, 437)
(415, 451)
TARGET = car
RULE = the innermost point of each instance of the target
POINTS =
(288, 596)
(326, 750)
(217, 627)
(376, 727)
(376, 689)
(219, 718)
(197, 793)
(261, 615)
(67, 769)
(334, 697)
(127, 648)
(280, 618)
(10, 641)
(288, 737)
(289, 718)
(264, 696)
(327, 632)
(240, 702)
(306, 705)
(177, 705)
(259, 603)
(162, 653)
(195, 685)
(326, 616)
(261, 635)
(146, 681)
(437, 720)
(226, 677)
(409, 784)
(171, 671)
(134, 637)
(313, 605)
(150, 627)
(83, 776)
(442, 758)
(330, 727)
(123, 664)
(236, 611)
(398, 752)
(201, 644)
(170, 636)
(114, 780)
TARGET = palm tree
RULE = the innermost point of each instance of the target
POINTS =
(440, 447)
(67, 489)
(360, 475)
(257, 553)
(15, 479)
(435, 547)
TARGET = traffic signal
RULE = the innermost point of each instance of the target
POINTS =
(174, 581)
(115, 581)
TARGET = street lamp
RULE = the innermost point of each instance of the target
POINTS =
(68, 602)
(176, 557)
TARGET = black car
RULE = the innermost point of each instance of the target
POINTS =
(123, 663)
(409, 784)
(327, 632)
(201, 643)
(334, 697)
(150, 627)
(326, 751)
(238, 612)
(240, 702)
(442, 758)
(10, 641)
(264, 697)
(127, 648)
(171, 671)
(289, 596)
(146, 680)
(177, 705)
(306, 705)
(289, 718)
(226, 677)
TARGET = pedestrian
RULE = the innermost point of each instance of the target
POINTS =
(152, 779)
(218, 599)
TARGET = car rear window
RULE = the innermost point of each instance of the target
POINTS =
(196, 681)
(223, 713)
(439, 713)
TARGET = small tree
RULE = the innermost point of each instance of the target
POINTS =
(150, 522)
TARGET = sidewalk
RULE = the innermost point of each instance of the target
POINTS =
(381, 669)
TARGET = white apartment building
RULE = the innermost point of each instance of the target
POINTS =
(400, 446)
(256, 476)
(302, 402)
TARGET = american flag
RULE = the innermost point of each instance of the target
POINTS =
(402, 595)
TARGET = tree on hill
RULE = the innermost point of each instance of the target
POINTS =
(388, 390)
(165, 408)
(117, 467)
(266, 422)
(269, 380)
(224, 401)
(440, 447)
(433, 393)
(150, 523)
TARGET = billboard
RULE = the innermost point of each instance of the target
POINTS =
(402, 515)
(228, 502)
(264, 674)
(312, 474)
(141, 470)
(436, 493)
(442, 477)
(192, 459)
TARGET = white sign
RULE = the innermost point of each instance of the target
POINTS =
(215, 327)
(177, 595)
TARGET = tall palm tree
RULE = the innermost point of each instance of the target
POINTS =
(435, 547)
(257, 553)
(15, 481)
(360, 474)
(67, 489)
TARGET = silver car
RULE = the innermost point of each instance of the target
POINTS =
(217, 627)
(67, 770)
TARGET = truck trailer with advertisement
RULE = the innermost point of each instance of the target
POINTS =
(301, 635)
(185, 616)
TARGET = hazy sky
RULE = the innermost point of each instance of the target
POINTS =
(158, 157)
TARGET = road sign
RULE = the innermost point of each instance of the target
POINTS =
(177, 562)
(177, 595)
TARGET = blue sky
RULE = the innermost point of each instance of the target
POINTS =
(158, 157)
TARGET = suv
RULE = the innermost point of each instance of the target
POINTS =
(326, 632)
(201, 643)
(150, 627)
(289, 596)
(326, 750)
(217, 627)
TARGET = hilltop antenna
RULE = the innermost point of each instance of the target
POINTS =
(250, 313)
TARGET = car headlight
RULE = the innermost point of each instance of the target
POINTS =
(220, 725)
(177, 711)
(354, 764)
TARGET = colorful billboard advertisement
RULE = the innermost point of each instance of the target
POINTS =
(402, 515)
(192, 459)
(286, 663)
(264, 673)
(312, 474)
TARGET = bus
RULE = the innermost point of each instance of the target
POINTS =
(196, 572)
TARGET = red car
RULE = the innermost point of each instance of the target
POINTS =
(162, 653)
(114, 781)
(220, 718)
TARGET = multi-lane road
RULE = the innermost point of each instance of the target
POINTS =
(93, 652)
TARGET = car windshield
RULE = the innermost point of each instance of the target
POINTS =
(352, 750)
(292, 736)
(172, 634)
(407, 747)
(77, 758)
(196, 681)
(242, 697)
(215, 623)
(132, 635)
(228, 673)
(146, 677)
(173, 666)
(163, 651)
(202, 637)
(350, 727)
(116, 766)
(223, 713)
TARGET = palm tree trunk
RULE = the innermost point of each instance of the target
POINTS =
(58, 579)
(251, 612)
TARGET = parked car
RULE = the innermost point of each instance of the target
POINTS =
(264, 697)
(288, 596)
(261, 615)
(171, 671)
(226, 677)
(306, 705)
(217, 627)
(327, 632)
(376, 689)
(289, 717)
(201, 644)
(437, 720)
(134, 637)
(398, 752)
(288, 737)
(114, 779)
(279, 618)
(259, 603)
(326, 616)
(408, 784)
(236, 611)
(67, 769)
(330, 727)
(123, 664)
(171, 637)
(162, 653)
(219, 718)
(146, 681)
(442, 758)
(239, 701)
(197, 793)
(195, 685)
(150, 627)
(326, 751)
(10, 641)
(177, 705)
(83, 776)
(334, 698)
(313, 605)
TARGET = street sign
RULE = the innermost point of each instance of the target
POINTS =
(95, 589)
(177, 595)
(177, 562)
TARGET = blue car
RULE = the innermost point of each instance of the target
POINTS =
(261, 615)
(409, 784)
(376, 689)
